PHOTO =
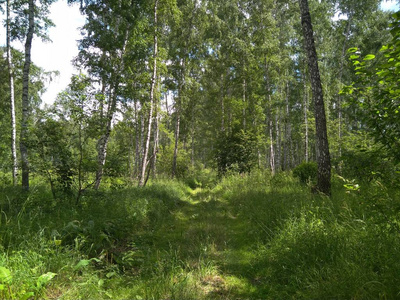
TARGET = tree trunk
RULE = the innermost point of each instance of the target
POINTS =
(222, 105)
(25, 97)
(177, 128)
(305, 110)
(12, 101)
(112, 106)
(193, 132)
(103, 141)
(288, 131)
(323, 156)
(271, 147)
(178, 107)
(80, 181)
(137, 143)
(244, 105)
(152, 95)
(156, 141)
(278, 148)
(269, 120)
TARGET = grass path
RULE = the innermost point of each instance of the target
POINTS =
(212, 241)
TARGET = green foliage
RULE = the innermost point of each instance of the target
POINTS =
(236, 152)
(306, 172)
(249, 236)
(165, 159)
(366, 164)
(5, 281)
(200, 177)
(376, 91)
(54, 154)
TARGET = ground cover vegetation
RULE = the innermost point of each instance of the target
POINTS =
(207, 150)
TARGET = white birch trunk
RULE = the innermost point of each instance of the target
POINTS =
(178, 108)
(152, 95)
(269, 121)
(12, 101)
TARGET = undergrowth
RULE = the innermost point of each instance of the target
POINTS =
(244, 237)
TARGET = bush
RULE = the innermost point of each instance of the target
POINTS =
(306, 172)
(200, 177)
(236, 152)
(367, 165)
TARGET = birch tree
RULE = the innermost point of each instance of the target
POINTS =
(12, 97)
(25, 97)
(322, 146)
(145, 160)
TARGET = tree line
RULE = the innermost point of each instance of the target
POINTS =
(170, 86)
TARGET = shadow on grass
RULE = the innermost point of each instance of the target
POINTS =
(225, 233)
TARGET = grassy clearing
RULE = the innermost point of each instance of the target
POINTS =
(253, 237)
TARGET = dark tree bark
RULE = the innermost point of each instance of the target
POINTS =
(221, 100)
(25, 97)
(305, 110)
(323, 156)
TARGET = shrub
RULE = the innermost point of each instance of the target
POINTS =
(200, 177)
(369, 164)
(236, 152)
(306, 172)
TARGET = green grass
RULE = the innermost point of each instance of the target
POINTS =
(251, 237)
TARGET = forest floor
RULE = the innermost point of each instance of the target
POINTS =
(257, 237)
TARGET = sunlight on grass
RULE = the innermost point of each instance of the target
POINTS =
(251, 237)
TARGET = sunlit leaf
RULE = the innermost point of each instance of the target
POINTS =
(369, 57)
(352, 50)
(45, 279)
(5, 275)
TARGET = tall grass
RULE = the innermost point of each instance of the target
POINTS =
(243, 237)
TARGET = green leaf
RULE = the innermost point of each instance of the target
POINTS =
(352, 50)
(45, 279)
(5, 275)
(110, 274)
(28, 295)
(369, 57)
(384, 48)
(354, 56)
(100, 283)
(85, 262)
(82, 263)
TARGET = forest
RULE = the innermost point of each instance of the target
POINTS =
(230, 149)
